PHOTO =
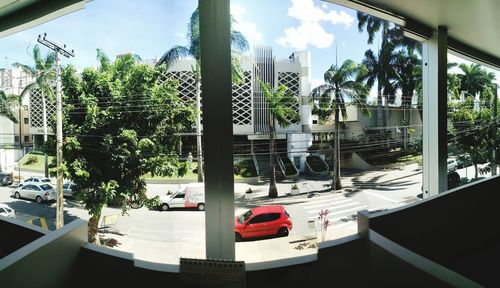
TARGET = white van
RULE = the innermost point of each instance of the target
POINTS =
(191, 195)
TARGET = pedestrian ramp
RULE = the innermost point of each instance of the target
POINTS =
(341, 209)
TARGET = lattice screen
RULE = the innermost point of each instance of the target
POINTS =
(242, 101)
(242, 94)
(187, 84)
(292, 81)
(36, 109)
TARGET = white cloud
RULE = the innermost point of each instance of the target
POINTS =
(306, 34)
(310, 31)
(248, 29)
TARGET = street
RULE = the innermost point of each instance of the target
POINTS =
(181, 232)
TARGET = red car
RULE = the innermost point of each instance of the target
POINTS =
(262, 221)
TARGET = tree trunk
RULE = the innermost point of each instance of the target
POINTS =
(199, 166)
(273, 191)
(475, 170)
(336, 185)
(380, 116)
(387, 124)
(93, 229)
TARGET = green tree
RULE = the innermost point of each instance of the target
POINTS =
(474, 78)
(238, 43)
(408, 68)
(7, 103)
(380, 69)
(282, 110)
(329, 100)
(471, 130)
(120, 124)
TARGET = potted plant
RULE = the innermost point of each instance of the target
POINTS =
(294, 190)
(249, 194)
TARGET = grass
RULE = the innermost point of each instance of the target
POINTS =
(410, 158)
(39, 160)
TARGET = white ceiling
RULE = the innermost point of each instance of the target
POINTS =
(475, 23)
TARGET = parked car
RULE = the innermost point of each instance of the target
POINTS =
(6, 178)
(452, 164)
(191, 195)
(68, 189)
(262, 221)
(35, 180)
(37, 192)
(6, 211)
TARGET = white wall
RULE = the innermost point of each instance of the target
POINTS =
(297, 145)
(6, 131)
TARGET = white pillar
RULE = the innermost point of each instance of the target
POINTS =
(217, 128)
(435, 149)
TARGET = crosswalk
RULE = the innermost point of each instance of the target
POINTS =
(341, 209)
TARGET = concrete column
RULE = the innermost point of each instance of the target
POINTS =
(435, 148)
(217, 128)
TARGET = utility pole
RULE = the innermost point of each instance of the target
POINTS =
(59, 133)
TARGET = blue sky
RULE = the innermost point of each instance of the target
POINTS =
(151, 27)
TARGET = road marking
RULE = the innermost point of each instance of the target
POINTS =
(333, 203)
(354, 209)
(381, 197)
(333, 208)
(43, 223)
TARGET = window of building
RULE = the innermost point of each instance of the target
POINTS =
(16, 139)
(26, 120)
(27, 138)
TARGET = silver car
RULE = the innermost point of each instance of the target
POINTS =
(6, 211)
(37, 192)
(68, 189)
(34, 180)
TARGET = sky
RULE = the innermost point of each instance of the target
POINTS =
(150, 27)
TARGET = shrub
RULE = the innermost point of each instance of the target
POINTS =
(31, 160)
(153, 203)
(245, 168)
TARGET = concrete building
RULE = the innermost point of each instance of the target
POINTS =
(250, 111)
(446, 240)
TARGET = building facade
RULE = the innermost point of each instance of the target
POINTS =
(249, 108)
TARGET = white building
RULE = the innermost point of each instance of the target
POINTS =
(250, 110)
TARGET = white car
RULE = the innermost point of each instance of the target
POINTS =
(35, 180)
(6, 211)
(190, 196)
(37, 192)
(452, 165)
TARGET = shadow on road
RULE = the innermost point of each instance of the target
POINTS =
(28, 211)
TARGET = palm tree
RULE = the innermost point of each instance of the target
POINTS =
(474, 78)
(282, 110)
(381, 70)
(408, 67)
(344, 82)
(238, 43)
(44, 74)
(7, 102)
